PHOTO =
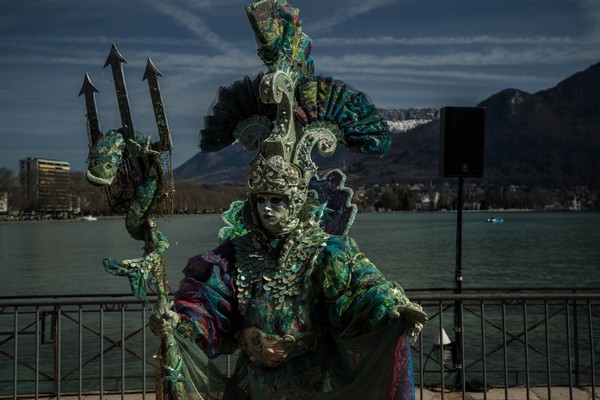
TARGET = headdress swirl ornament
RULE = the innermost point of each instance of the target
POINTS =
(288, 112)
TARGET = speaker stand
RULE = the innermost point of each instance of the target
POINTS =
(458, 307)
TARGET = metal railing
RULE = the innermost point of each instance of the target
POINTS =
(72, 345)
(535, 338)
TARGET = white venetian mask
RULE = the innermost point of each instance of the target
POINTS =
(273, 211)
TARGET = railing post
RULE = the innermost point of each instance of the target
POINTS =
(505, 345)
(80, 351)
(37, 351)
(421, 366)
(15, 350)
(592, 349)
(441, 326)
(144, 354)
(56, 344)
(483, 350)
(43, 327)
(570, 364)
(576, 343)
(101, 353)
(548, 367)
(526, 347)
(122, 312)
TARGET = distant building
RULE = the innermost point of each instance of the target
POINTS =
(46, 185)
(3, 202)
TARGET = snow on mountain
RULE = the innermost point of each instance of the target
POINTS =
(403, 126)
(405, 119)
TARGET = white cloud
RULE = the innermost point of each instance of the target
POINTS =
(81, 39)
(442, 40)
(379, 72)
(591, 11)
(7, 94)
(496, 56)
(195, 24)
(348, 11)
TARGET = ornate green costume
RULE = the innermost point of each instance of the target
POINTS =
(312, 316)
(312, 298)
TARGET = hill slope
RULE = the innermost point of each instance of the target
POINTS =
(550, 138)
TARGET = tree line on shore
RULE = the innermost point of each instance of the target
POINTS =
(476, 196)
(192, 197)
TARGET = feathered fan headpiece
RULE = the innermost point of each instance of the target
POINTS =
(287, 112)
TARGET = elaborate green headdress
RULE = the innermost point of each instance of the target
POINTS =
(287, 112)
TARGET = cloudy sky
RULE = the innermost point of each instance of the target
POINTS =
(402, 53)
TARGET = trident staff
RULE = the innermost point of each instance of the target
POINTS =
(125, 150)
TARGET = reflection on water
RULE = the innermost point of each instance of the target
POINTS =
(416, 249)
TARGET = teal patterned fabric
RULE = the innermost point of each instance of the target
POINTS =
(308, 312)
(312, 292)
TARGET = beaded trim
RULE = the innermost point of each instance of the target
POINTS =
(264, 265)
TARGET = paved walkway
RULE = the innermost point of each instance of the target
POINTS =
(518, 393)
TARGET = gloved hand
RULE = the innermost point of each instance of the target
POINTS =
(413, 313)
(163, 325)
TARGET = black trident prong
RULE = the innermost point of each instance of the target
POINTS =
(116, 60)
(88, 90)
(151, 74)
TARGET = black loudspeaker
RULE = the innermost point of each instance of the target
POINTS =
(462, 131)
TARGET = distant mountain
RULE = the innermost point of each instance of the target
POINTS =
(228, 166)
(550, 138)
(225, 167)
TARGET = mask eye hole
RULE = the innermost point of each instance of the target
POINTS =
(276, 200)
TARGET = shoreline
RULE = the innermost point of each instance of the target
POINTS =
(492, 211)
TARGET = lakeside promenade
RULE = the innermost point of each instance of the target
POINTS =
(546, 338)
(514, 393)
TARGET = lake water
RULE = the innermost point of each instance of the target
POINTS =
(530, 249)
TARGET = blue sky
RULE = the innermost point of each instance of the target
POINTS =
(402, 53)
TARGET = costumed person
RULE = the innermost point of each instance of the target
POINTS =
(311, 316)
